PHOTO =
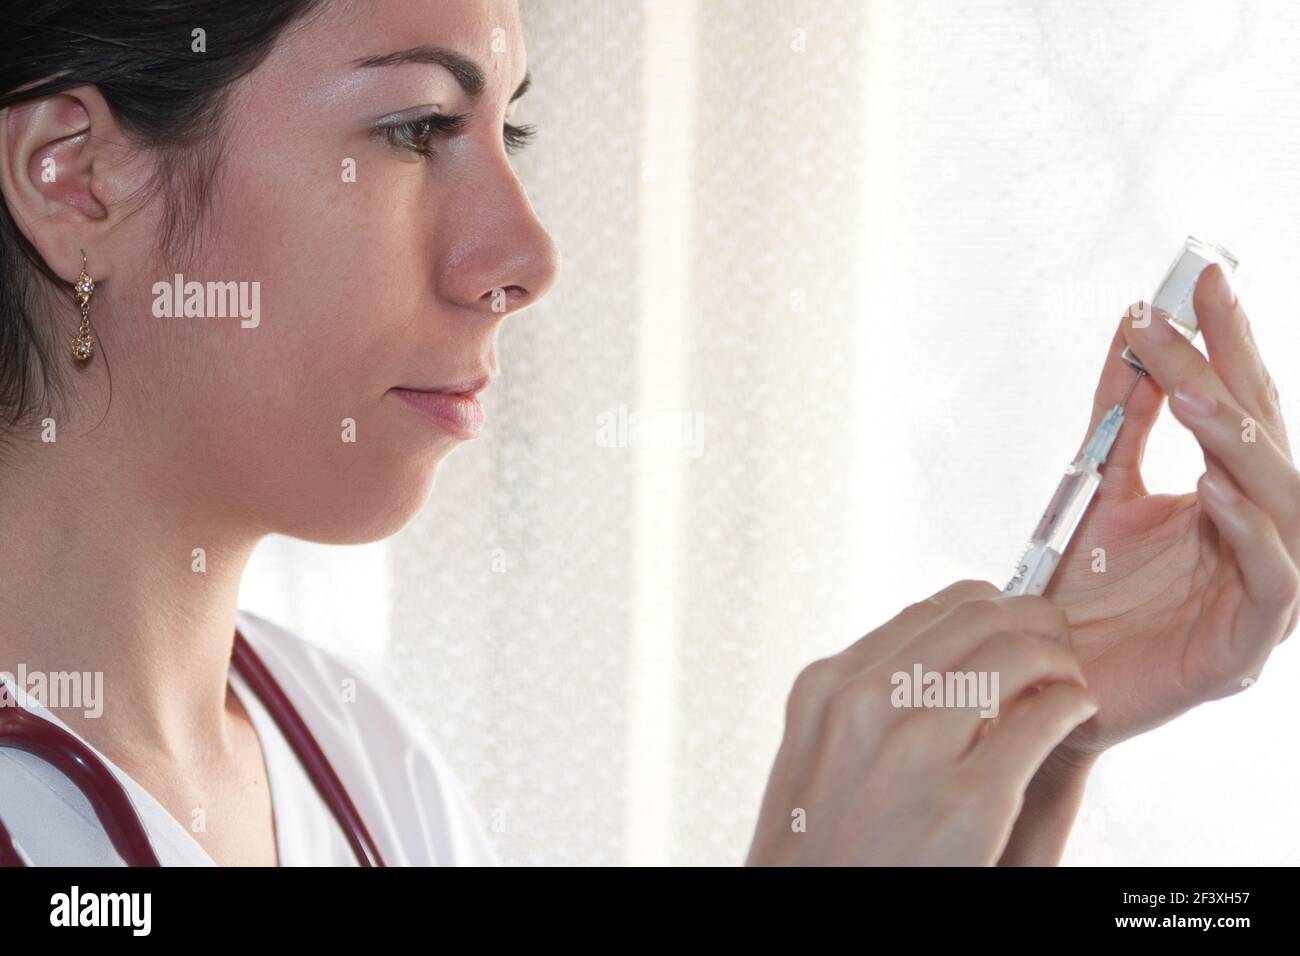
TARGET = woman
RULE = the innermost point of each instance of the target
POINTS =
(301, 232)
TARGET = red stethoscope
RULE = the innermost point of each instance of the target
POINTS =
(45, 739)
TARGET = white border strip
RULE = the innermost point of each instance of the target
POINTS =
(665, 191)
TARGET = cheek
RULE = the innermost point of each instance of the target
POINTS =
(292, 415)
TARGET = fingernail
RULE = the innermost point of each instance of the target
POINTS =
(1193, 401)
(1218, 489)
(1221, 290)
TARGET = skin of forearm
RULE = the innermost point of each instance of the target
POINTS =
(1052, 801)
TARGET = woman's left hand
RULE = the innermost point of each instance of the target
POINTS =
(1197, 589)
(1173, 600)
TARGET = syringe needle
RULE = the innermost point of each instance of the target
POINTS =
(1137, 378)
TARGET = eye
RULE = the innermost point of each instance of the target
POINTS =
(418, 134)
(517, 137)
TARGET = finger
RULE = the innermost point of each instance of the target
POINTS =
(1235, 443)
(997, 673)
(1016, 637)
(951, 637)
(1029, 731)
(822, 678)
(1024, 660)
(1200, 400)
(1234, 354)
(954, 636)
(1124, 462)
(912, 620)
(1268, 573)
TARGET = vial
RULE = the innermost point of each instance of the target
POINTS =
(1174, 295)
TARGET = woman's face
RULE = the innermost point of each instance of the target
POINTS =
(384, 259)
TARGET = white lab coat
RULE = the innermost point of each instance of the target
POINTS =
(412, 803)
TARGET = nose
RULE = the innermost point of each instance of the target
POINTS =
(502, 259)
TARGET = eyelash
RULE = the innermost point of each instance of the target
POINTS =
(417, 134)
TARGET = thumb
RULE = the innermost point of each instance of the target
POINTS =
(1123, 468)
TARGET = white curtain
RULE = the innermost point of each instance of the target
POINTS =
(850, 269)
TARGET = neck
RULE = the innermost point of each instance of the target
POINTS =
(99, 575)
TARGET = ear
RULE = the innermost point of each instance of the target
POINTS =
(62, 173)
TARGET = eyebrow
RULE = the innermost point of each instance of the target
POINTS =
(467, 73)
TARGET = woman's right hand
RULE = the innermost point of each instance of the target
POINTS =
(859, 781)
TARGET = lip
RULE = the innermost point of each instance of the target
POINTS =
(459, 413)
(455, 407)
(475, 383)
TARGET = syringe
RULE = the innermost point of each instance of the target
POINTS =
(1065, 510)
(1079, 484)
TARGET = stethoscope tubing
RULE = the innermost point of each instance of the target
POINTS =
(112, 805)
(310, 755)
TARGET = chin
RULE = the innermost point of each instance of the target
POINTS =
(366, 507)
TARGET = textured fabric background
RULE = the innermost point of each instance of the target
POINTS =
(867, 258)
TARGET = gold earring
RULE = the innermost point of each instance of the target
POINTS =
(83, 346)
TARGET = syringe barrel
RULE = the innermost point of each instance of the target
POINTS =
(1055, 529)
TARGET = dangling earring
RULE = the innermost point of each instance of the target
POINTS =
(83, 346)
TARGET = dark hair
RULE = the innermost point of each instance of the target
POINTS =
(169, 98)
